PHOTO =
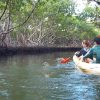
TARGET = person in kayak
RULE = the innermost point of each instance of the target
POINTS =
(86, 47)
(84, 50)
(94, 52)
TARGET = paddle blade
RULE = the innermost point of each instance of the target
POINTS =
(65, 60)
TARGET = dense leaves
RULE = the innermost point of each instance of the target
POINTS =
(46, 22)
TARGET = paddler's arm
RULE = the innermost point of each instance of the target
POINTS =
(79, 53)
(89, 54)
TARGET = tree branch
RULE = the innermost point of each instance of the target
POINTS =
(7, 1)
(11, 29)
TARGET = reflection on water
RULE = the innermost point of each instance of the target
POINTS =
(41, 77)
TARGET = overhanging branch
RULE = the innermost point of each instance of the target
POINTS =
(11, 29)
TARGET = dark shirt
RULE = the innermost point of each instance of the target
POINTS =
(83, 51)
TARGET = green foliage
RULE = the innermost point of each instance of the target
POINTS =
(2, 5)
(89, 12)
(59, 15)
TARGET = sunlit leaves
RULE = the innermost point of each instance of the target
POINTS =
(88, 12)
(2, 5)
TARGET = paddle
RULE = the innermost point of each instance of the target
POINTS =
(65, 60)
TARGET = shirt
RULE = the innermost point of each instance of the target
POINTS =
(94, 52)
(82, 52)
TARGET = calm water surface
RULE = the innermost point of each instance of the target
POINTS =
(42, 77)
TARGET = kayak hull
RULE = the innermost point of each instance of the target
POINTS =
(87, 68)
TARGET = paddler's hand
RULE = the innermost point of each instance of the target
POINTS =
(81, 58)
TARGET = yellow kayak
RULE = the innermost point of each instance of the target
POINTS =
(87, 68)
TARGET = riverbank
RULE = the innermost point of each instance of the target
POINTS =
(6, 51)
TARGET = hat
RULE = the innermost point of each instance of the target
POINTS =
(97, 39)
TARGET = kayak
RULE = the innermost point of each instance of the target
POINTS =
(87, 68)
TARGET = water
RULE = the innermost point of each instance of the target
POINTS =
(42, 77)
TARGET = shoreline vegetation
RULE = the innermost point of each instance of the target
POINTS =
(9, 51)
(41, 26)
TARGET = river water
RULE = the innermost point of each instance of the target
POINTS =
(42, 77)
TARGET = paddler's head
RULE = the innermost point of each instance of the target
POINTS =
(97, 40)
(85, 43)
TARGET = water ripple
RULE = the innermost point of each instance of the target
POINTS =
(4, 93)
